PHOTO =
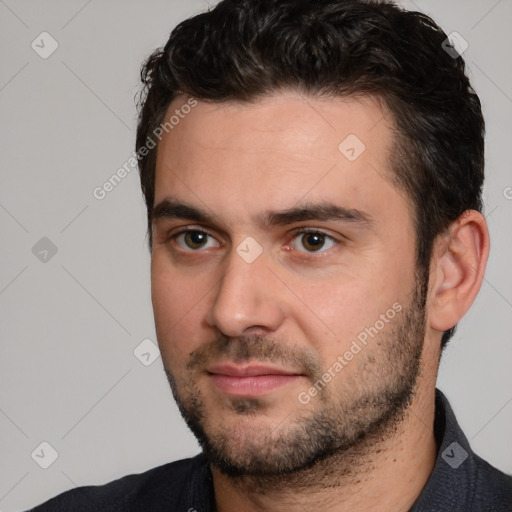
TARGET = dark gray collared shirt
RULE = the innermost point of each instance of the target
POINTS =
(460, 482)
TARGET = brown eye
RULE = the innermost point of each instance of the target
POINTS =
(313, 241)
(193, 239)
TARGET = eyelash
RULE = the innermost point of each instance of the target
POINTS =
(313, 231)
(297, 232)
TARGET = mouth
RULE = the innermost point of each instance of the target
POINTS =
(250, 379)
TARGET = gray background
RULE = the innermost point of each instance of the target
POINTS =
(69, 325)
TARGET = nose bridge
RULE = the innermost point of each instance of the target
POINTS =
(245, 295)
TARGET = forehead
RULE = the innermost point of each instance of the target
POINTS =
(275, 152)
(312, 126)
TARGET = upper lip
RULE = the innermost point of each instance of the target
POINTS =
(248, 370)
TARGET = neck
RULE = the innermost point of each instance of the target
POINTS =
(386, 471)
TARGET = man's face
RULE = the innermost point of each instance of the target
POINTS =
(283, 346)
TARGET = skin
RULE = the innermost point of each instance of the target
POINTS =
(236, 161)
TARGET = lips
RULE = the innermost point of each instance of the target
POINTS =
(250, 379)
(232, 370)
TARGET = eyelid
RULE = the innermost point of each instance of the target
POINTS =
(174, 234)
(183, 229)
(306, 230)
(310, 229)
(294, 234)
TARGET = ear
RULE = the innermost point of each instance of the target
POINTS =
(457, 269)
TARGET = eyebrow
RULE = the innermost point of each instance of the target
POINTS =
(321, 211)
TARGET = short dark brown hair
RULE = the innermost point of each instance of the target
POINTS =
(242, 50)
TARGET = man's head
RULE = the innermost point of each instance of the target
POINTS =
(243, 50)
(347, 120)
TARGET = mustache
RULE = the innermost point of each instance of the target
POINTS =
(255, 349)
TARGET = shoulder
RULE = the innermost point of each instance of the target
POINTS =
(460, 479)
(492, 488)
(156, 489)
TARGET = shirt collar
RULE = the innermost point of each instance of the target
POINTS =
(455, 467)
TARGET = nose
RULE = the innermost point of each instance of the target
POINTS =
(248, 298)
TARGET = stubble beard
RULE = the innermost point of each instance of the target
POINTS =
(345, 423)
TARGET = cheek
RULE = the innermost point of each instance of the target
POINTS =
(339, 309)
(178, 310)
(346, 308)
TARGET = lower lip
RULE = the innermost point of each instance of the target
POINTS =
(256, 385)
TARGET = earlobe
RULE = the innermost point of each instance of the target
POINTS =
(458, 265)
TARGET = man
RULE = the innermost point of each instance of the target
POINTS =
(316, 234)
